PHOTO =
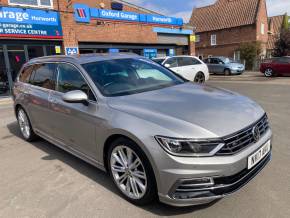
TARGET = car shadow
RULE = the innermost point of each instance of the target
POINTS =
(98, 176)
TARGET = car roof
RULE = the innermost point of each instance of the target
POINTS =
(83, 58)
(175, 56)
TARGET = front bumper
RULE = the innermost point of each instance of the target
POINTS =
(229, 174)
(237, 71)
(223, 186)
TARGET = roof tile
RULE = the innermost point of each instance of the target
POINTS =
(225, 14)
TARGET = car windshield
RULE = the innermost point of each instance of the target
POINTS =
(159, 60)
(129, 76)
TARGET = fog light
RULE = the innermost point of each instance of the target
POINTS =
(198, 182)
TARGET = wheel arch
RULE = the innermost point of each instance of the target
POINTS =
(114, 136)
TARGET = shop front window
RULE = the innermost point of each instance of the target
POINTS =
(4, 85)
(33, 3)
(17, 58)
(35, 51)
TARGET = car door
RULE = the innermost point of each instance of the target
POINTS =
(283, 66)
(74, 124)
(210, 65)
(171, 63)
(188, 68)
(217, 65)
(41, 83)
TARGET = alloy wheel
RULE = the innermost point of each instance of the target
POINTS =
(199, 78)
(128, 172)
(24, 124)
(268, 72)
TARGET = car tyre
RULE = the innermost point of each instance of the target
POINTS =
(268, 72)
(228, 72)
(199, 78)
(25, 125)
(131, 172)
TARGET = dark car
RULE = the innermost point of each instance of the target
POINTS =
(224, 65)
(276, 67)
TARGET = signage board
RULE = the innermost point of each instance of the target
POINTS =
(71, 50)
(84, 14)
(192, 38)
(150, 53)
(57, 49)
(171, 52)
(113, 50)
(29, 23)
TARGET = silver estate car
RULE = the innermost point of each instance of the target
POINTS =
(156, 134)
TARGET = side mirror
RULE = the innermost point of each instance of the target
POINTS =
(76, 96)
(221, 62)
(167, 65)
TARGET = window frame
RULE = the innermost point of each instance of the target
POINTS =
(80, 72)
(262, 28)
(213, 39)
(197, 38)
(32, 6)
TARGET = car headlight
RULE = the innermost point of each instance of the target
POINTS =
(189, 147)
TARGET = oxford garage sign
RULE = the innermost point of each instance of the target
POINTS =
(29, 23)
(84, 14)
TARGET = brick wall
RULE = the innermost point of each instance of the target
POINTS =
(107, 31)
(228, 40)
(262, 18)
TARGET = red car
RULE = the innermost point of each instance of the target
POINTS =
(276, 67)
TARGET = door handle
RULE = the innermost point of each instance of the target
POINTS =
(52, 100)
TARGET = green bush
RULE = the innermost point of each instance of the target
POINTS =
(250, 51)
(282, 44)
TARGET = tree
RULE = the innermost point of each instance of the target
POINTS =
(286, 22)
(250, 51)
(282, 44)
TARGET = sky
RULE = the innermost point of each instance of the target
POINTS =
(183, 8)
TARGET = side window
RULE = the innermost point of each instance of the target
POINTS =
(284, 60)
(25, 74)
(195, 61)
(215, 61)
(206, 61)
(43, 76)
(172, 62)
(185, 61)
(69, 78)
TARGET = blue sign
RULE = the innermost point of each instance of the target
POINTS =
(71, 50)
(83, 13)
(113, 50)
(164, 20)
(171, 52)
(30, 23)
(150, 53)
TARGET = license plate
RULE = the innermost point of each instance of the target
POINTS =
(258, 155)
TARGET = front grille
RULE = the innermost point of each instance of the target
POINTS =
(242, 139)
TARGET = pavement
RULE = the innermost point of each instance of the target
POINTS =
(40, 180)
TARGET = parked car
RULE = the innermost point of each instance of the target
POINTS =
(224, 65)
(157, 134)
(189, 67)
(276, 67)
